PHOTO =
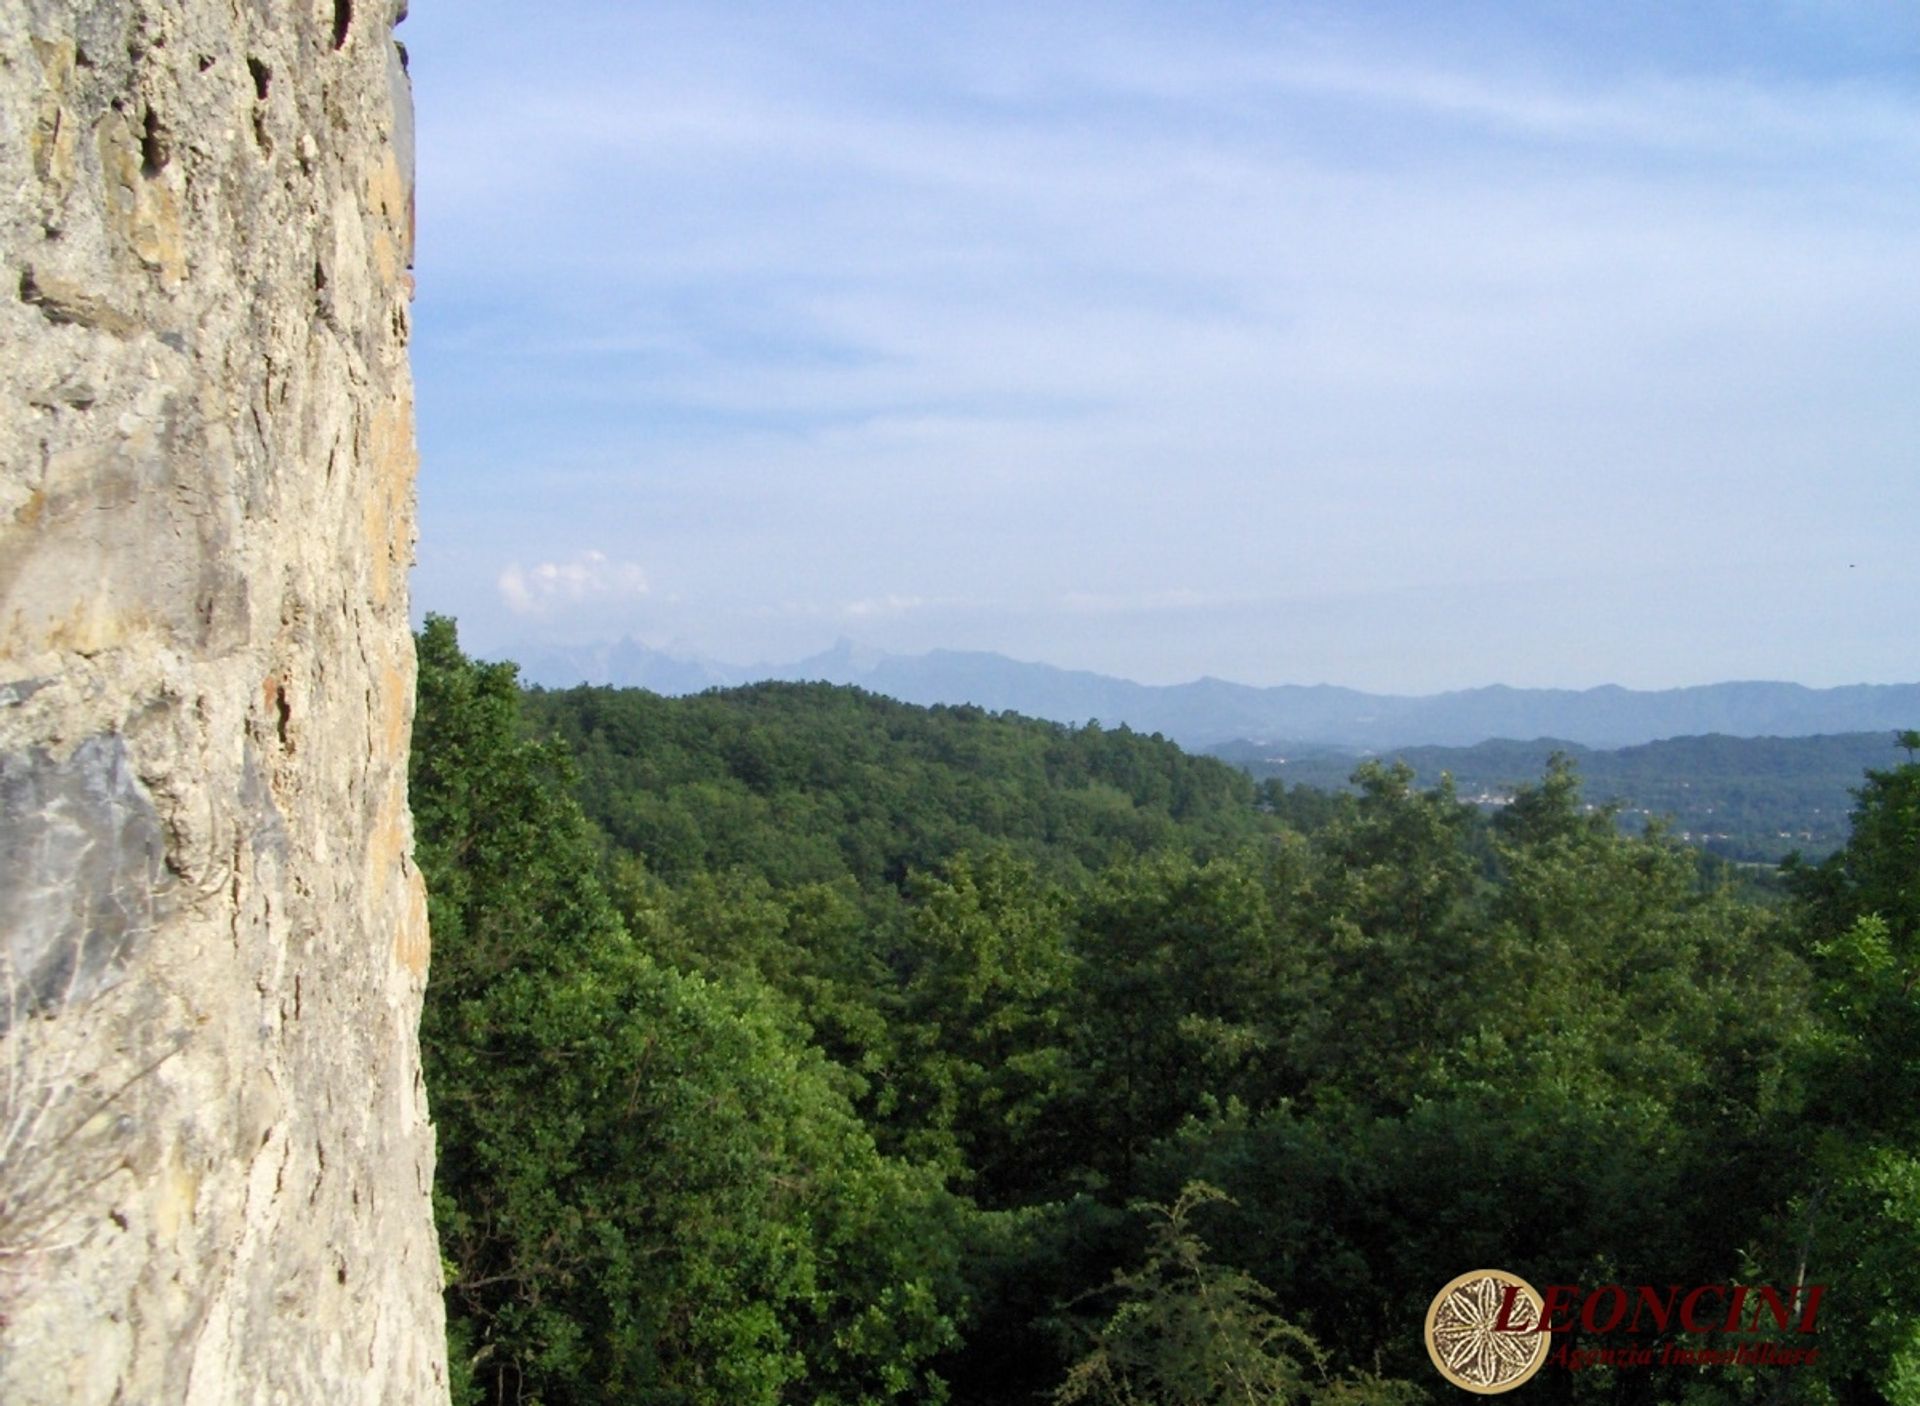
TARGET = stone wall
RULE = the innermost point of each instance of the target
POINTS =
(215, 1159)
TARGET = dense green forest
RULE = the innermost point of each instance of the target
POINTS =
(791, 1045)
(1750, 799)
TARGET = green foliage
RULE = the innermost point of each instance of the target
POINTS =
(822, 1063)
(1186, 1331)
(1564, 1076)
(809, 782)
(1749, 799)
(651, 1188)
(1168, 1012)
(1855, 1223)
(1875, 873)
(983, 1033)
(1390, 899)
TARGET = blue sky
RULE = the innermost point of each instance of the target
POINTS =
(1401, 346)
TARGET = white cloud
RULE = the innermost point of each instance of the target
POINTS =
(882, 606)
(590, 578)
(1132, 602)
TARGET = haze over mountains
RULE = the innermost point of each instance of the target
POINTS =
(1211, 711)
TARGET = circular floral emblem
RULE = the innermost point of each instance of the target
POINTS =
(1471, 1345)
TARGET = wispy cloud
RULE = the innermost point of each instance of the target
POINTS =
(590, 578)
(1168, 314)
(883, 607)
(1135, 602)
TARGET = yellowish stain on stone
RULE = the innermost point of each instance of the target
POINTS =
(67, 300)
(387, 850)
(90, 626)
(388, 842)
(119, 152)
(27, 516)
(52, 143)
(176, 1190)
(157, 233)
(142, 209)
(387, 200)
(387, 507)
(412, 943)
(395, 722)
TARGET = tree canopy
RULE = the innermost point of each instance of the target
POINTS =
(793, 1045)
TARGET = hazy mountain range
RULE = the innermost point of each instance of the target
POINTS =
(1210, 711)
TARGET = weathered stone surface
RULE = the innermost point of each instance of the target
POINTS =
(82, 883)
(215, 1159)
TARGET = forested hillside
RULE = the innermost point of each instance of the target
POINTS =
(1755, 799)
(789, 1045)
(811, 782)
